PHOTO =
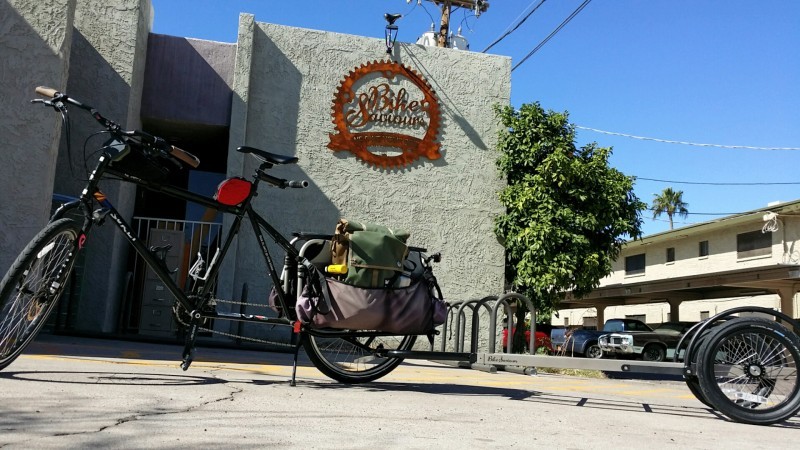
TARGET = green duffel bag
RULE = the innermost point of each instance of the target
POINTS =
(373, 254)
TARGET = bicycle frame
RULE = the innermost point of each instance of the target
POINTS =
(196, 302)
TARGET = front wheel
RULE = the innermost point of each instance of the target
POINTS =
(354, 359)
(593, 351)
(32, 285)
(748, 370)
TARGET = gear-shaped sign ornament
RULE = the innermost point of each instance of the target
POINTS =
(387, 115)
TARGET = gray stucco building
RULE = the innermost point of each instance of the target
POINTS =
(272, 89)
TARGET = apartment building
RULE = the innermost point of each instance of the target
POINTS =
(694, 272)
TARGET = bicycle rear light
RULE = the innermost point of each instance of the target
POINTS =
(233, 191)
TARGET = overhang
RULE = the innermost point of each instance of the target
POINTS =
(735, 283)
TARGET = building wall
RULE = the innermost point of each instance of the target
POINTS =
(107, 62)
(722, 255)
(188, 82)
(284, 84)
(35, 39)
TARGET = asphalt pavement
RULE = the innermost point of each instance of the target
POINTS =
(70, 392)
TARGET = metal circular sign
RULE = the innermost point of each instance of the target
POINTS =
(387, 115)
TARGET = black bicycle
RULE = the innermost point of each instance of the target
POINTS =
(31, 287)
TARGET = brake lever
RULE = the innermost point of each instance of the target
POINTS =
(57, 105)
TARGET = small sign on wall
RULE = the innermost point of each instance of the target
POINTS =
(387, 115)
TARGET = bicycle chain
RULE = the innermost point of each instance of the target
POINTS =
(232, 302)
(231, 335)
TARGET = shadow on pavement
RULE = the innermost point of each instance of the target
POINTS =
(115, 378)
(698, 412)
(46, 344)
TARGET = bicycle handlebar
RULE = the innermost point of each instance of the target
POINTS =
(45, 91)
(297, 184)
(184, 156)
(281, 183)
(156, 141)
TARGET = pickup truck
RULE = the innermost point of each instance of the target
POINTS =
(656, 345)
(585, 342)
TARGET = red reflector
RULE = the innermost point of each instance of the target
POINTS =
(233, 191)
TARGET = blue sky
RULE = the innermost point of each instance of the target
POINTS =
(715, 72)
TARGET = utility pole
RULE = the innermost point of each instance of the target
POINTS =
(444, 26)
(446, 5)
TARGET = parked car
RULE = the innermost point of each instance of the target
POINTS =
(656, 345)
(542, 340)
(585, 342)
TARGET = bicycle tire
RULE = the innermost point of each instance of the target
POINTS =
(353, 360)
(30, 289)
(692, 382)
(748, 371)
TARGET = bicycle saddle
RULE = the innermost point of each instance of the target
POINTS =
(271, 158)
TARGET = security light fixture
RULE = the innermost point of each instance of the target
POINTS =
(391, 30)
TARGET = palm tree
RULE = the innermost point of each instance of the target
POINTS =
(670, 202)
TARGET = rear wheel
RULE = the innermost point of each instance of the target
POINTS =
(748, 370)
(32, 285)
(353, 360)
(654, 353)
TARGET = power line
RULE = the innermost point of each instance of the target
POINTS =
(674, 221)
(503, 36)
(720, 184)
(553, 33)
(713, 214)
(433, 22)
(668, 141)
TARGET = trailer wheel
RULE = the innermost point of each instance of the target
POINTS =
(694, 386)
(747, 368)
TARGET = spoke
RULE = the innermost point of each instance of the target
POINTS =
(35, 291)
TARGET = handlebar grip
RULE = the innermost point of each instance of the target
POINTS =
(46, 91)
(184, 156)
(297, 184)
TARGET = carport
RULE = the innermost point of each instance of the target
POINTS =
(782, 280)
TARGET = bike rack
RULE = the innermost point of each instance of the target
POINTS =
(475, 306)
(526, 363)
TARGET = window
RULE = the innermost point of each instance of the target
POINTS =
(634, 265)
(566, 321)
(703, 315)
(703, 248)
(671, 254)
(753, 243)
(634, 326)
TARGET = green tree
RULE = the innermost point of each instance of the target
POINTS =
(568, 213)
(669, 202)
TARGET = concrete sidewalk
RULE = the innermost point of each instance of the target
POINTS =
(70, 392)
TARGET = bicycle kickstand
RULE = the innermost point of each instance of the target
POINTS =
(298, 335)
(188, 348)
